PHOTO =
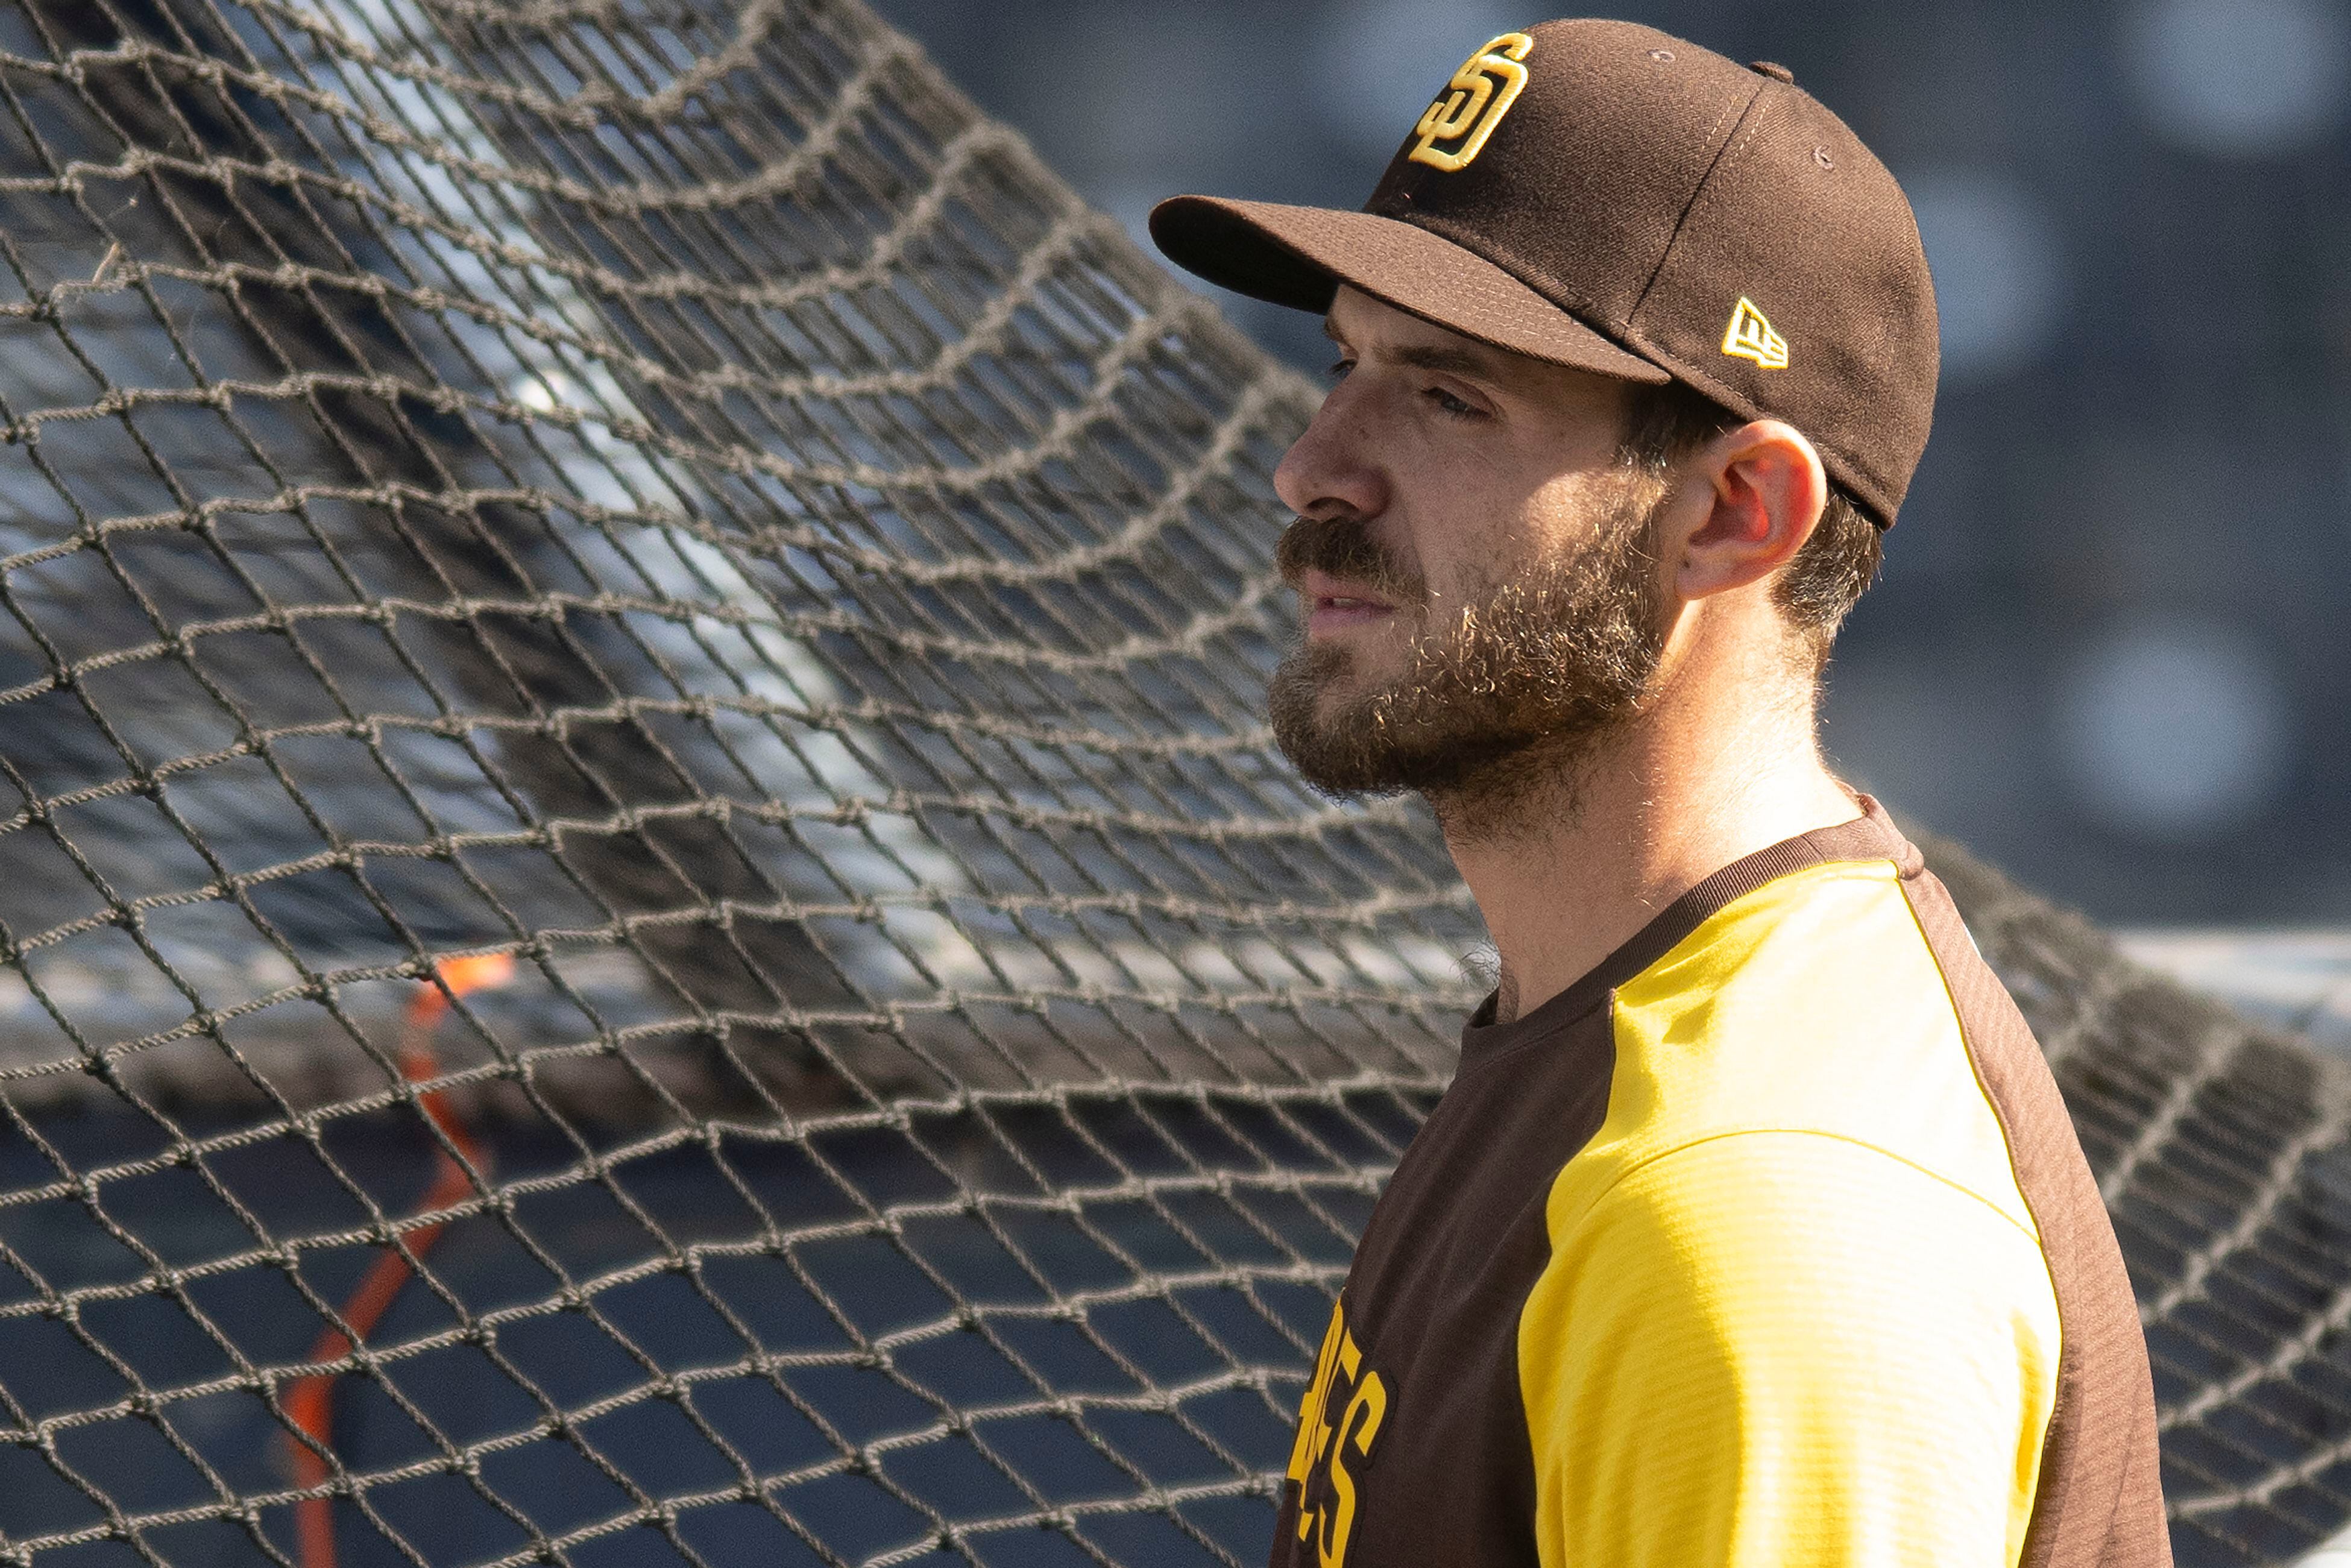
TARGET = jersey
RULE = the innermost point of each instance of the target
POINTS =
(1768, 1241)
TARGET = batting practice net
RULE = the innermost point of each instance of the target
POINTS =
(646, 915)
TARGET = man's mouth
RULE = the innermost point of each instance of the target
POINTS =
(1333, 606)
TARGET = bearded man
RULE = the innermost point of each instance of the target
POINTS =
(1752, 1230)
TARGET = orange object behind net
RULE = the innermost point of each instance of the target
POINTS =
(311, 1401)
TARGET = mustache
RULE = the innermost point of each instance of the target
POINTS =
(1344, 547)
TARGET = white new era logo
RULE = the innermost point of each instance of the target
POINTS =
(1749, 337)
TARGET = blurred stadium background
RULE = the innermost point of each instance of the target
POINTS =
(2110, 648)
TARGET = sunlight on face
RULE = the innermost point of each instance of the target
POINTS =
(1473, 562)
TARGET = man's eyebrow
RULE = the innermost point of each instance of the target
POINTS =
(1442, 357)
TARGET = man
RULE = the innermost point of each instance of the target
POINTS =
(1752, 1229)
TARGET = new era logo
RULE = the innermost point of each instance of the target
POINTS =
(1749, 337)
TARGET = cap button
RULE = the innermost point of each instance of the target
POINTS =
(1773, 69)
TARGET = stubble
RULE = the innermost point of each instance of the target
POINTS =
(1502, 703)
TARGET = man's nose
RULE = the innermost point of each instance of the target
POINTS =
(1333, 470)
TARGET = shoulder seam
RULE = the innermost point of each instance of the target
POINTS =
(1999, 1116)
(1662, 1154)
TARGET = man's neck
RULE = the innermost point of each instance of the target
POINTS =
(1566, 876)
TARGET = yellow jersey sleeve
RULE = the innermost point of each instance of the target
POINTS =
(1771, 1348)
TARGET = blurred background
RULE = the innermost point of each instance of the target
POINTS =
(2109, 648)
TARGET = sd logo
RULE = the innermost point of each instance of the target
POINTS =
(1473, 103)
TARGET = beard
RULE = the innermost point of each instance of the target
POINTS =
(1498, 703)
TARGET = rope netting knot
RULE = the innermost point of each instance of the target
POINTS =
(644, 912)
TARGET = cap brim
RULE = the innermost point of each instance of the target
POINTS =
(1299, 255)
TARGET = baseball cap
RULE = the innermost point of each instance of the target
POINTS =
(1601, 195)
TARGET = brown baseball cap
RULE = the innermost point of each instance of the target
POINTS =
(1604, 195)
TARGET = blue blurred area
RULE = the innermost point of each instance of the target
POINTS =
(2108, 649)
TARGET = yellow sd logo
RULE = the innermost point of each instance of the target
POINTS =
(1472, 103)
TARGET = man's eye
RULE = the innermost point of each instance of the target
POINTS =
(1449, 404)
(1339, 369)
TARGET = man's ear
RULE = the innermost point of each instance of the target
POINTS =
(1751, 497)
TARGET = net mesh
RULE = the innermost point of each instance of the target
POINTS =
(644, 914)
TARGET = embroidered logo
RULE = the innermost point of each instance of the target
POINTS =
(1318, 1460)
(1749, 337)
(1456, 127)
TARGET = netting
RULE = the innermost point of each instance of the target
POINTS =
(646, 916)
